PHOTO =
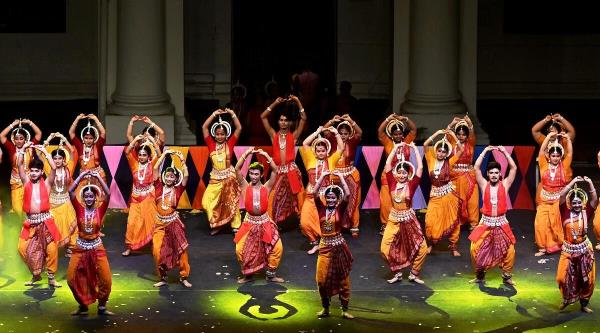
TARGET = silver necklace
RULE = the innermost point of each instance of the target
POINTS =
(437, 169)
(256, 199)
(574, 232)
(552, 169)
(164, 204)
(88, 225)
(142, 168)
(87, 154)
(282, 140)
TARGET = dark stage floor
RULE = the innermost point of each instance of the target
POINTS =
(216, 303)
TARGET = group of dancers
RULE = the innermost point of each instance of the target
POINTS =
(60, 211)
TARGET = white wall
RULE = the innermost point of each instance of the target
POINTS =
(534, 66)
(364, 46)
(53, 66)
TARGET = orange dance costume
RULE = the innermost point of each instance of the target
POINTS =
(258, 244)
(309, 218)
(345, 166)
(384, 193)
(89, 159)
(169, 243)
(548, 224)
(142, 208)
(403, 243)
(287, 194)
(222, 195)
(88, 275)
(576, 272)
(463, 176)
(442, 217)
(334, 262)
(492, 241)
(61, 208)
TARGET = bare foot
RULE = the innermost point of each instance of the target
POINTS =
(347, 315)
(126, 253)
(586, 309)
(33, 280)
(160, 283)
(509, 282)
(275, 279)
(105, 312)
(245, 279)
(476, 280)
(597, 247)
(540, 253)
(81, 311)
(323, 313)
(52, 283)
(415, 279)
(186, 283)
(562, 306)
(455, 253)
(397, 278)
(429, 249)
(313, 250)
(215, 231)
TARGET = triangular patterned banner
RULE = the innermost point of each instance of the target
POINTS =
(372, 157)
(112, 155)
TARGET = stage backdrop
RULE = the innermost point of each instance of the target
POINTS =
(369, 161)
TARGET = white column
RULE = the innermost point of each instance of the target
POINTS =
(141, 68)
(433, 98)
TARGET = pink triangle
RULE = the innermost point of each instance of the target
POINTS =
(116, 198)
(239, 150)
(372, 156)
(113, 156)
(372, 198)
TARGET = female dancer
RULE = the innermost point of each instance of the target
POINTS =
(441, 219)
(403, 243)
(335, 260)
(257, 243)
(89, 145)
(555, 169)
(463, 174)
(351, 134)
(393, 130)
(88, 275)
(169, 244)
(222, 195)
(316, 151)
(142, 209)
(576, 272)
(61, 207)
(288, 192)
(492, 241)
(19, 136)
